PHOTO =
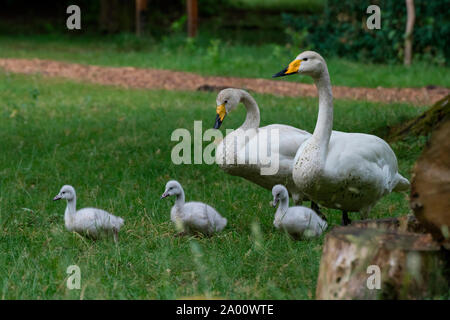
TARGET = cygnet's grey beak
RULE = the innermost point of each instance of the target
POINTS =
(275, 202)
(58, 197)
(164, 195)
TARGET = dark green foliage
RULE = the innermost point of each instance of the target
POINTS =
(341, 30)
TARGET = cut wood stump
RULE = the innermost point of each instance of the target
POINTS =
(407, 223)
(410, 265)
(430, 191)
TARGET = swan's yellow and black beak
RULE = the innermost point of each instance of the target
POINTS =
(291, 69)
(221, 113)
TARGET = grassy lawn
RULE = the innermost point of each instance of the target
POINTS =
(214, 57)
(113, 145)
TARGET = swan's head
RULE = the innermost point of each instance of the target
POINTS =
(279, 193)
(227, 100)
(173, 188)
(309, 63)
(66, 192)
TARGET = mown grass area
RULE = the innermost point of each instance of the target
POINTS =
(113, 145)
(214, 57)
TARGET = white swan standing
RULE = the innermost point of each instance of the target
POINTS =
(234, 153)
(88, 221)
(297, 221)
(192, 216)
(346, 171)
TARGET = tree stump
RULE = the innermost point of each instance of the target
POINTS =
(407, 223)
(411, 265)
(430, 191)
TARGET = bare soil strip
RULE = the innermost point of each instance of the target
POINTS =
(130, 77)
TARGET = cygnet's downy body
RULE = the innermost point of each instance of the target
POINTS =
(91, 222)
(192, 217)
(299, 222)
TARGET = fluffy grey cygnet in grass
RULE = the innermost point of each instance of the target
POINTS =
(88, 221)
(192, 217)
(297, 221)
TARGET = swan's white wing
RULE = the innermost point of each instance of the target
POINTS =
(368, 155)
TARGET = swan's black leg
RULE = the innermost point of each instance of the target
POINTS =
(345, 219)
(316, 208)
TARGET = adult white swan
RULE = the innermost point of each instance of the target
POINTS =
(237, 154)
(346, 171)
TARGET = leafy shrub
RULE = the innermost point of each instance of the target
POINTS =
(341, 30)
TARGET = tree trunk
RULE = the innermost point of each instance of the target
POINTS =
(141, 6)
(430, 192)
(411, 16)
(411, 265)
(192, 17)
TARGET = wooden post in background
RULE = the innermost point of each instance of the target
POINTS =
(410, 18)
(141, 5)
(192, 17)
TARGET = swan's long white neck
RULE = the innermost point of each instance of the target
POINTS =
(282, 208)
(71, 208)
(324, 124)
(179, 202)
(253, 118)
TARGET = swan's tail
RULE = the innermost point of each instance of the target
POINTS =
(402, 184)
(116, 222)
(222, 223)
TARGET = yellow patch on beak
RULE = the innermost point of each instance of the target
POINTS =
(221, 111)
(293, 66)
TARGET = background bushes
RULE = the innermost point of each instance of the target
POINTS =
(341, 30)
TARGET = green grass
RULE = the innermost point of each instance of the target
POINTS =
(113, 145)
(214, 57)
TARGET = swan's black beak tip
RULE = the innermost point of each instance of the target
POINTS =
(282, 73)
(218, 122)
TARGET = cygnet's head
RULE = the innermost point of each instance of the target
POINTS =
(227, 100)
(67, 192)
(173, 188)
(309, 63)
(279, 193)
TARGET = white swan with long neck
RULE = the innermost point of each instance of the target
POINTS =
(340, 170)
(235, 154)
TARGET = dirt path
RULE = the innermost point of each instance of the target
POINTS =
(131, 77)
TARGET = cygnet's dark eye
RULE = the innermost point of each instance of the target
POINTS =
(226, 101)
(306, 59)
